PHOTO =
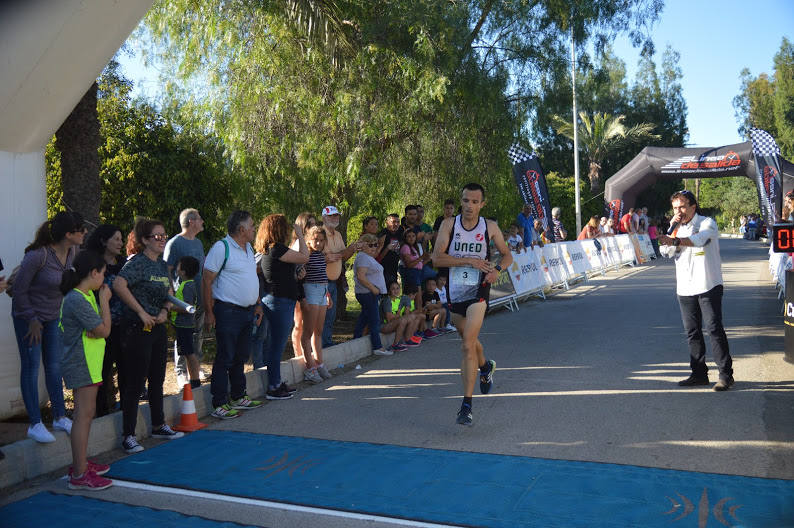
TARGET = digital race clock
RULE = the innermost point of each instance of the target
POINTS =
(783, 238)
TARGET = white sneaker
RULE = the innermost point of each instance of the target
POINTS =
(202, 375)
(382, 352)
(323, 372)
(450, 328)
(63, 424)
(312, 375)
(181, 380)
(40, 434)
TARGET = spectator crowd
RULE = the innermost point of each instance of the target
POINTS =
(88, 306)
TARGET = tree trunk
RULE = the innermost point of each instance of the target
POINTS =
(78, 141)
(595, 177)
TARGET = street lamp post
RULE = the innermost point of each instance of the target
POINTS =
(575, 140)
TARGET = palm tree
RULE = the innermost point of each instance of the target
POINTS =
(601, 136)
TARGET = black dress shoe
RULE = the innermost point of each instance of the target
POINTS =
(723, 384)
(693, 381)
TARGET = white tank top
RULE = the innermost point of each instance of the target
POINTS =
(465, 281)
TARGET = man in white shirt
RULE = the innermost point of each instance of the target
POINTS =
(695, 246)
(231, 302)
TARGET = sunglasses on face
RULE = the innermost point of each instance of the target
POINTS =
(373, 245)
(159, 237)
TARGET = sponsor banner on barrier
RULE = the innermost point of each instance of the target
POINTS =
(627, 253)
(526, 271)
(502, 288)
(575, 258)
(553, 264)
(610, 251)
(595, 253)
(639, 254)
(646, 246)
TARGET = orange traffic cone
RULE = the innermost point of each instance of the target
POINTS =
(189, 419)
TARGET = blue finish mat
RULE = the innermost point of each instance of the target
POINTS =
(67, 511)
(461, 488)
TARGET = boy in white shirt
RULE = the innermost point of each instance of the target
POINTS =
(441, 290)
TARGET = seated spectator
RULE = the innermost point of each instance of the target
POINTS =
(590, 230)
(392, 311)
(435, 314)
(369, 286)
(416, 311)
(514, 241)
(441, 291)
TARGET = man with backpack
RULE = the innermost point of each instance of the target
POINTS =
(231, 303)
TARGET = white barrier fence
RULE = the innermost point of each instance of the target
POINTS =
(779, 263)
(555, 265)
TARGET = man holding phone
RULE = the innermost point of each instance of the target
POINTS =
(389, 255)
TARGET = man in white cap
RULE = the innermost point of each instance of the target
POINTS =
(336, 253)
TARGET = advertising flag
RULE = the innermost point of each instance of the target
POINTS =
(614, 210)
(767, 175)
(532, 186)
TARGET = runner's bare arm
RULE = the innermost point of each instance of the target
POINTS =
(495, 234)
(442, 259)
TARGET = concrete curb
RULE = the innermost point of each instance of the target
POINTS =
(27, 458)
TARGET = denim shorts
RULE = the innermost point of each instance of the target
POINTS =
(316, 293)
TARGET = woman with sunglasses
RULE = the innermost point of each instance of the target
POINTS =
(143, 285)
(35, 310)
(369, 286)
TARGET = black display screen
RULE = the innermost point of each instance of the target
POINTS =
(783, 238)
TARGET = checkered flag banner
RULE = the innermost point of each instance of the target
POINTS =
(517, 154)
(763, 143)
(531, 185)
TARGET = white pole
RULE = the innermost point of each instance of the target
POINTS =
(575, 141)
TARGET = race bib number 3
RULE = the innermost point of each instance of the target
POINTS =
(465, 276)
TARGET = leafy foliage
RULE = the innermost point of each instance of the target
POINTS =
(655, 97)
(151, 166)
(371, 105)
(768, 102)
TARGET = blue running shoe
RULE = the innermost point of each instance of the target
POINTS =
(464, 415)
(486, 378)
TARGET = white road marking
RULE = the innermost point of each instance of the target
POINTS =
(275, 505)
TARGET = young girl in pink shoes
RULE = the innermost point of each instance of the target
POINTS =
(85, 324)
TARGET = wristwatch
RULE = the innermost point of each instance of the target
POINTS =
(498, 267)
(676, 242)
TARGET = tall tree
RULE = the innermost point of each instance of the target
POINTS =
(77, 141)
(767, 102)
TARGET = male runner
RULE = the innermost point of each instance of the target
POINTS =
(463, 247)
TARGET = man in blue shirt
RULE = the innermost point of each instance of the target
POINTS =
(526, 224)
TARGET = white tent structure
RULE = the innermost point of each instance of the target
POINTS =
(50, 54)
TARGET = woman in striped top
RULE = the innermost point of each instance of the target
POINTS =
(315, 286)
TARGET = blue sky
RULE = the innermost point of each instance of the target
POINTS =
(716, 40)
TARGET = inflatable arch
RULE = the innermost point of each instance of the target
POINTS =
(654, 164)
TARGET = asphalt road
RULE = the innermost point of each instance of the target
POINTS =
(589, 374)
